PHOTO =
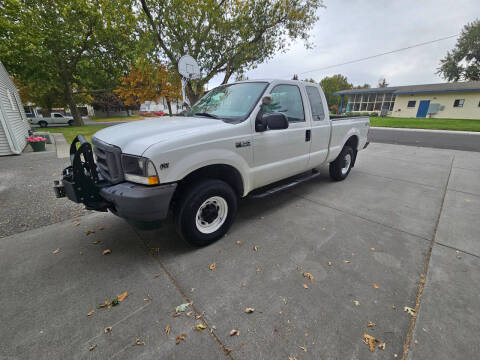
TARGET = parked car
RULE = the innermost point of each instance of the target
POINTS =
(55, 118)
(250, 138)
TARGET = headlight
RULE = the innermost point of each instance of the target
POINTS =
(139, 170)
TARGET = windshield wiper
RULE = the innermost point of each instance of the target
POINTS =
(207, 115)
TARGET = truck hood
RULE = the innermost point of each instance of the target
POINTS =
(137, 136)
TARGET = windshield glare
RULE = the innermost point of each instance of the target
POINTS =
(229, 102)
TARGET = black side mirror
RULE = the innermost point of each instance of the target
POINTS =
(276, 121)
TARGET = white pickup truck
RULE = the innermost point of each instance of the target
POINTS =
(55, 118)
(247, 138)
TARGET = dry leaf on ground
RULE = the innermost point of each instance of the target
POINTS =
(182, 307)
(167, 329)
(346, 261)
(56, 251)
(372, 249)
(415, 342)
(92, 347)
(305, 286)
(382, 346)
(356, 302)
(200, 327)
(371, 324)
(212, 266)
(255, 248)
(175, 314)
(107, 251)
(180, 337)
(308, 276)
(234, 332)
(239, 243)
(96, 242)
(249, 310)
(410, 310)
(104, 305)
(108, 329)
(370, 341)
(376, 286)
(122, 296)
(139, 342)
(329, 263)
(91, 312)
(303, 348)
(88, 232)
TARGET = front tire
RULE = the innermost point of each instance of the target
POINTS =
(43, 124)
(70, 122)
(206, 211)
(341, 166)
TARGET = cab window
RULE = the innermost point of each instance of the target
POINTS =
(316, 104)
(288, 100)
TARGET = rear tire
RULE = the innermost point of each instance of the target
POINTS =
(205, 212)
(70, 122)
(43, 124)
(341, 166)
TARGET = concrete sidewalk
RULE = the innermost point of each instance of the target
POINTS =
(366, 242)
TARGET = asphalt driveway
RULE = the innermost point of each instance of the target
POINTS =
(321, 265)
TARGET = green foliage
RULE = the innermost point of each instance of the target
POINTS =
(65, 47)
(332, 84)
(226, 36)
(364, 86)
(382, 83)
(463, 62)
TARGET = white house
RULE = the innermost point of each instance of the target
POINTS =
(161, 105)
(13, 122)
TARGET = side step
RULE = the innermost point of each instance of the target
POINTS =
(283, 185)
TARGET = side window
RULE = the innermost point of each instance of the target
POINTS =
(316, 104)
(57, 115)
(288, 100)
(411, 103)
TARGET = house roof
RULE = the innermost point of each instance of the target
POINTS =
(467, 86)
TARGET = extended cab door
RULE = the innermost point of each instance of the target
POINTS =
(282, 153)
(321, 126)
(57, 118)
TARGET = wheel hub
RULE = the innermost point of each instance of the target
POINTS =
(209, 213)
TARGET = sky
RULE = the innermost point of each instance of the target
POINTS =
(353, 29)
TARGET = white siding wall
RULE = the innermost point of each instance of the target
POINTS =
(13, 122)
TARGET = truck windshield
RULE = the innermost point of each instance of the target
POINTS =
(231, 103)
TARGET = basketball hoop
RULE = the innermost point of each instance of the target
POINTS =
(189, 69)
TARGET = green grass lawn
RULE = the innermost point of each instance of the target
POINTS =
(116, 118)
(421, 123)
(71, 131)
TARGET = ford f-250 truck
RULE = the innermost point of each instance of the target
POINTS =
(55, 118)
(247, 138)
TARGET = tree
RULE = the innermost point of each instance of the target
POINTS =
(382, 83)
(332, 84)
(310, 80)
(226, 36)
(107, 102)
(364, 86)
(149, 82)
(66, 46)
(463, 62)
(295, 77)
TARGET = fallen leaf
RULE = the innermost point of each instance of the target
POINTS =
(303, 348)
(56, 251)
(77, 224)
(395, 355)
(410, 310)
(139, 342)
(146, 299)
(200, 327)
(324, 228)
(122, 296)
(370, 341)
(104, 305)
(213, 266)
(382, 346)
(176, 314)
(182, 307)
(189, 313)
(299, 268)
(199, 316)
(167, 329)
(180, 337)
(101, 228)
(156, 276)
(255, 248)
(372, 249)
(91, 312)
(308, 276)
(234, 332)
(239, 243)
(92, 347)
(329, 263)
(88, 232)
(394, 306)
(228, 351)
(96, 242)
(376, 286)
(115, 302)
(108, 329)
(249, 310)
(305, 286)
(258, 270)
(416, 342)
(346, 261)
(107, 251)
(371, 324)
(356, 302)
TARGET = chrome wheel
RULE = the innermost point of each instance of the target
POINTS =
(347, 162)
(211, 214)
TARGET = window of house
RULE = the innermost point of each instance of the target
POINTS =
(288, 100)
(316, 104)
(458, 103)
(412, 103)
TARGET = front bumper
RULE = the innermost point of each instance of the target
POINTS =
(139, 202)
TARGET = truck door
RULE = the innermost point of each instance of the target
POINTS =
(57, 118)
(282, 153)
(321, 127)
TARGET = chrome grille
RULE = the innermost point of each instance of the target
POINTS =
(108, 159)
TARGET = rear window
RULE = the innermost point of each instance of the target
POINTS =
(315, 100)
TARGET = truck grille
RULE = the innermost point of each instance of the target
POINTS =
(109, 163)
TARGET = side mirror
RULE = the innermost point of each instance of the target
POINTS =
(276, 121)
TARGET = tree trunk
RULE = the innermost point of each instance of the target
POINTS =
(77, 119)
(169, 104)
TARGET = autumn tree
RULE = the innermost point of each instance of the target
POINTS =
(66, 46)
(463, 62)
(226, 36)
(149, 82)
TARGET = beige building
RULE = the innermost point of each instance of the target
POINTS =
(458, 100)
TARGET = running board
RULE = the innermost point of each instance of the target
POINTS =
(262, 192)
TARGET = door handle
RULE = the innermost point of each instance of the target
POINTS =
(308, 135)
